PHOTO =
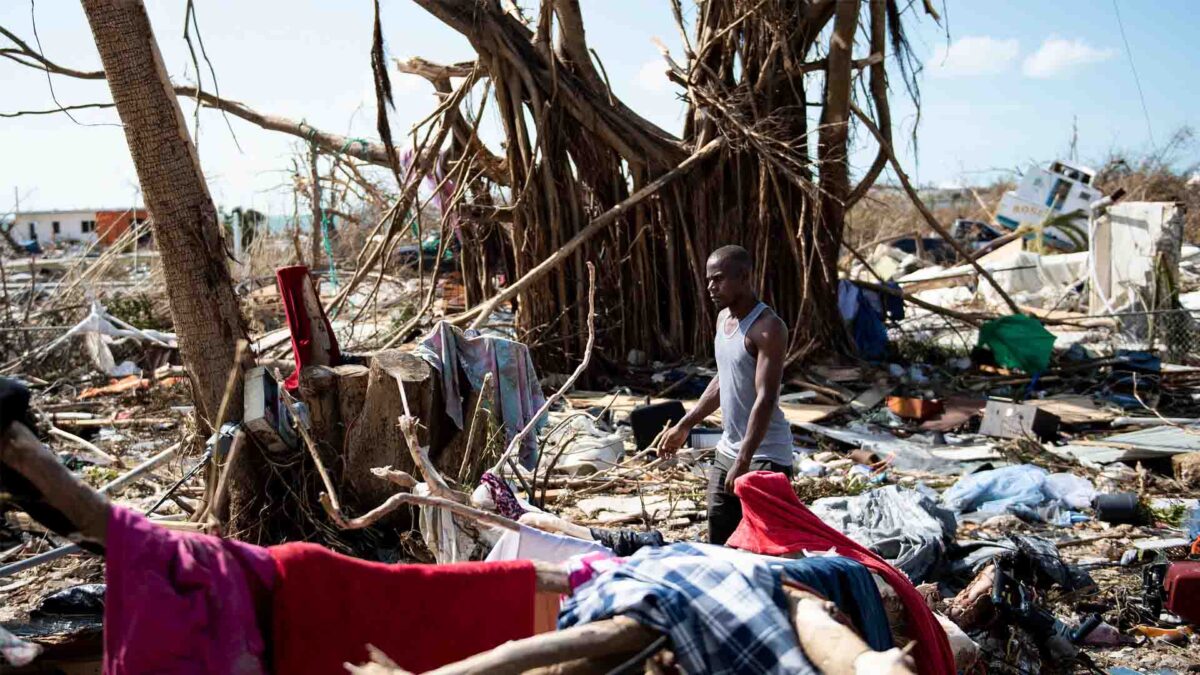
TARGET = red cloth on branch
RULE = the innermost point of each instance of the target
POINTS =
(313, 341)
(328, 607)
(775, 522)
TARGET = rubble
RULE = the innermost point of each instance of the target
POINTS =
(1009, 421)
(903, 455)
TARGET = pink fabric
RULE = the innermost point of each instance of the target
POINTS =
(581, 569)
(180, 602)
(775, 522)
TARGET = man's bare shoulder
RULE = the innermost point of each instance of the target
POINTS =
(767, 328)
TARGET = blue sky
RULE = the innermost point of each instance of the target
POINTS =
(998, 92)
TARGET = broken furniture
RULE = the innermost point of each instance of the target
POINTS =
(1004, 419)
(649, 421)
(915, 408)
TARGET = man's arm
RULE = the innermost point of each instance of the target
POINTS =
(709, 401)
(86, 508)
(770, 337)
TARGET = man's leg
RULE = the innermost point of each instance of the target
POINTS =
(724, 510)
(767, 465)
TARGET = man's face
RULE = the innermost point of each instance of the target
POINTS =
(726, 282)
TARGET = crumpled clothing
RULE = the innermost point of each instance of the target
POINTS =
(446, 537)
(516, 391)
(17, 652)
(584, 568)
(847, 584)
(309, 347)
(864, 310)
(848, 299)
(182, 602)
(626, 542)
(723, 611)
(1018, 341)
(774, 522)
(909, 529)
(502, 496)
(528, 543)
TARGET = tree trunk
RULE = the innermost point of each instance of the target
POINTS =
(200, 293)
(199, 288)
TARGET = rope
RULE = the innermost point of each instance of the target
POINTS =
(311, 134)
(325, 216)
(350, 143)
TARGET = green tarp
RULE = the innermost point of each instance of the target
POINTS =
(1018, 341)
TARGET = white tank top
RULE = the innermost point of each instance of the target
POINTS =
(735, 370)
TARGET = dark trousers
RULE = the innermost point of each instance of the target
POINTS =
(724, 509)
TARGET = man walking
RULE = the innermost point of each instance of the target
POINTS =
(749, 346)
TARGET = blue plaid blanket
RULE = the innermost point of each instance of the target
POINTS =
(724, 610)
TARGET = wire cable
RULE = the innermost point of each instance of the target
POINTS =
(1137, 80)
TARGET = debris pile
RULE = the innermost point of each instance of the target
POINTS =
(1032, 475)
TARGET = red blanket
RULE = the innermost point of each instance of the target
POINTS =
(329, 607)
(774, 522)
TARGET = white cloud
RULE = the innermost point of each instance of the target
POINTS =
(652, 76)
(1056, 56)
(973, 55)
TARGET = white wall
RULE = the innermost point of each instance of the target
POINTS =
(70, 225)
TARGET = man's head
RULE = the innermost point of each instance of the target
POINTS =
(729, 278)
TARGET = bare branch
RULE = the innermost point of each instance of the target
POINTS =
(593, 228)
(878, 87)
(499, 37)
(927, 214)
(372, 152)
(52, 111)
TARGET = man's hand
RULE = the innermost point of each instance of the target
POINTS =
(673, 440)
(739, 467)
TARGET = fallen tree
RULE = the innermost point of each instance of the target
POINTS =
(580, 164)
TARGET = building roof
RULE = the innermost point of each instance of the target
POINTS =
(86, 209)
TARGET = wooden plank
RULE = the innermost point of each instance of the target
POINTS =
(1074, 409)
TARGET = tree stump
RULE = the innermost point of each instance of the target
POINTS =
(372, 437)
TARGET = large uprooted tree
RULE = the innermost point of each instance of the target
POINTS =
(586, 178)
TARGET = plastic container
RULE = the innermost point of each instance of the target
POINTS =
(1192, 523)
(1117, 508)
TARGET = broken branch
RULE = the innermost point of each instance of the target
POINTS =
(483, 311)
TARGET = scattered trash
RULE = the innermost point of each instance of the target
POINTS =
(1011, 420)
(1182, 587)
(908, 528)
(1121, 507)
(577, 446)
(1027, 491)
(77, 600)
(914, 408)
